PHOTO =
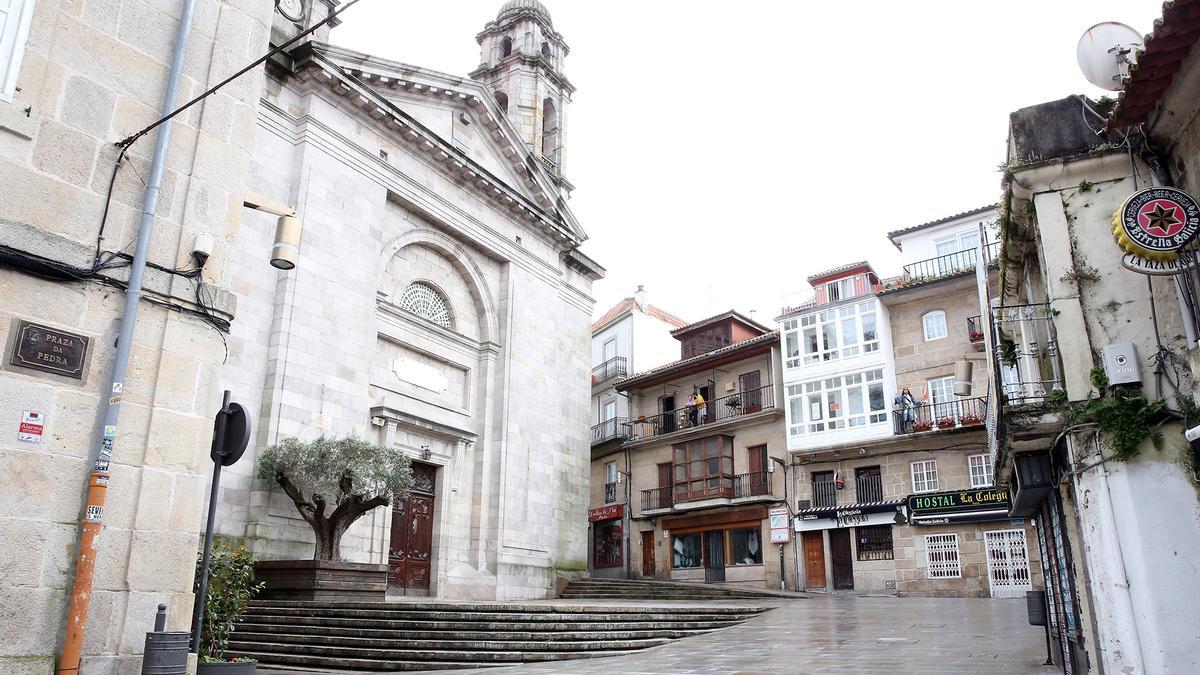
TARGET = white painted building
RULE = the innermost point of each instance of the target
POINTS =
(631, 337)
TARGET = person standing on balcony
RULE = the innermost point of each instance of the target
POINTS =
(691, 409)
(701, 407)
(906, 410)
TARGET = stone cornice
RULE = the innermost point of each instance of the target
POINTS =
(535, 60)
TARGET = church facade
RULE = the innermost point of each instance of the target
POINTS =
(440, 307)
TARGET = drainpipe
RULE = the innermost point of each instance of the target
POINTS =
(97, 482)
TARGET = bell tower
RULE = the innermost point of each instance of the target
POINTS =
(522, 59)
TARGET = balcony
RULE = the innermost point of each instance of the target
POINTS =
(618, 366)
(975, 331)
(657, 499)
(1026, 353)
(754, 484)
(824, 494)
(868, 489)
(956, 414)
(610, 493)
(948, 265)
(741, 404)
(615, 429)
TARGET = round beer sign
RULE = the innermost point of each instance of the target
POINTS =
(1156, 223)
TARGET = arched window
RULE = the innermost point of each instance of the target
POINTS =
(935, 325)
(505, 47)
(546, 49)
(550, 131)
(502, 100)
(425, 301)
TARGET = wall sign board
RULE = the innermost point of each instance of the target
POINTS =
(50, 350)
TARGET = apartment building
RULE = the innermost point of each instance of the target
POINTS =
(701, 470)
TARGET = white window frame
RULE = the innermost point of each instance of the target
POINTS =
(961, 242)
(608, 354)
(845, 324)
(979, 468)
(13, 36)
(941, 550)
(604, 410)
(610, 472)
(928, 475)
(938, 317)
(941, 396)
(825, 405)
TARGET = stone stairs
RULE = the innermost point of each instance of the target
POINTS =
(409, 636)
(634, 589)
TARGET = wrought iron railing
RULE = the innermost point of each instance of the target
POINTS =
(720, 409)
(610, 493)
(946, 265)
(617, 427)
(962, 412)
(824, 494)
(657, 498)
(868, 489)
(975, 329)
(1027, 357)
(617, 366)
(754, 484)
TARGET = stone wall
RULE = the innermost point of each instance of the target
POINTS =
(93, 73)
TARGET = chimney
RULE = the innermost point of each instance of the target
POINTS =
(640, 298)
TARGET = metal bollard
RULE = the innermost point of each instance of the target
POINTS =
(166, 652)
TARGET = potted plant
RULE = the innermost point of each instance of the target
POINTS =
(922, 425)
(945, 423)
(230, 588)
(969, 419)
(332, 482)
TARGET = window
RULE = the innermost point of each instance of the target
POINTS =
(685, 551)
(935, 325)
(610, 472)
(550, 136)
(502, 100)
(942, 550)
(506, 47)
(957, 253)
(831, 334)
(836, 403)
(704, 468)
(941, 394)
(980, 467)
(841, 289)
(15, 16)
(610, 410)
(607, 544)
(425, 301)
(707, 341)
(875, 542)
(924, 476)
(745, 547)
(610, 349)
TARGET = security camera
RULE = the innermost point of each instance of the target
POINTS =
(1193, 436)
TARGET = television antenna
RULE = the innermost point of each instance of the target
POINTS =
(1105, 52)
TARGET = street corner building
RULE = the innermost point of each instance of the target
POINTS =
(441, 307)
(439, 304)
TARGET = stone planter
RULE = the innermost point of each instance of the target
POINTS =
(321, 580)
(240, 668)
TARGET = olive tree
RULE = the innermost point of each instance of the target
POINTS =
(333, 482)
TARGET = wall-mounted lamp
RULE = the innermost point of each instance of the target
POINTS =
(285, 252)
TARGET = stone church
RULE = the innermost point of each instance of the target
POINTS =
(440, 306)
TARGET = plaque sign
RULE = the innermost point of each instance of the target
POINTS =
(50, 350)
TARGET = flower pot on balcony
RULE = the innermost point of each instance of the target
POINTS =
(946, 423)
(922, 426)
(969, 420)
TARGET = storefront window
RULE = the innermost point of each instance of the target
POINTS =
(607, 544)
(745, 547)
(685, 551)
(875, 542)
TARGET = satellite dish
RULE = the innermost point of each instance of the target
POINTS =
(1105, 52)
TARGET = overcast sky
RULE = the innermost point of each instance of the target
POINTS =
(724, 151)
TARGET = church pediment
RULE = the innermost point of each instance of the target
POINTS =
(454, 120)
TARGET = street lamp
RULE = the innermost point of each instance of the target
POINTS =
(285, 252)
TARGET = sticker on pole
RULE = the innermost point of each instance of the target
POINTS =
(33, 423)
(780, 533)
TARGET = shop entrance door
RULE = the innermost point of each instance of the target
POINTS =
(1008, 563)
(842, 558)
(814, 560)
(410, 550)
(714, 558)
(648, 554)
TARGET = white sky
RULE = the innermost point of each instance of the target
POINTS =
(723, 152)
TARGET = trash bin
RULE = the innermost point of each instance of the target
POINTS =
(1035, 603)
(166, 653)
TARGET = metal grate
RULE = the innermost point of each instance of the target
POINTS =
(423, 300)
(875, 542)
(942, 550)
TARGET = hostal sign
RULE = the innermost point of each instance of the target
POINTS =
(939, 508)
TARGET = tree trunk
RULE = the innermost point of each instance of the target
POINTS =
(328, 529)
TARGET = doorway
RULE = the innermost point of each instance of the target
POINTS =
(714, 559)
(648, 554)
(410, 549)
(842, 558)
(814, 559)
(666, 416)
(664, 487)
(1008, 563)
(750, 384)
(759, 478)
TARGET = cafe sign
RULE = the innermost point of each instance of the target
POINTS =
(610, 512)
(965, 506)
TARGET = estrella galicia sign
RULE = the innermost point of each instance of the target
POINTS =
(1157, 222)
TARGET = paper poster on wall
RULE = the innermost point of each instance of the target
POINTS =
(33, 423)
